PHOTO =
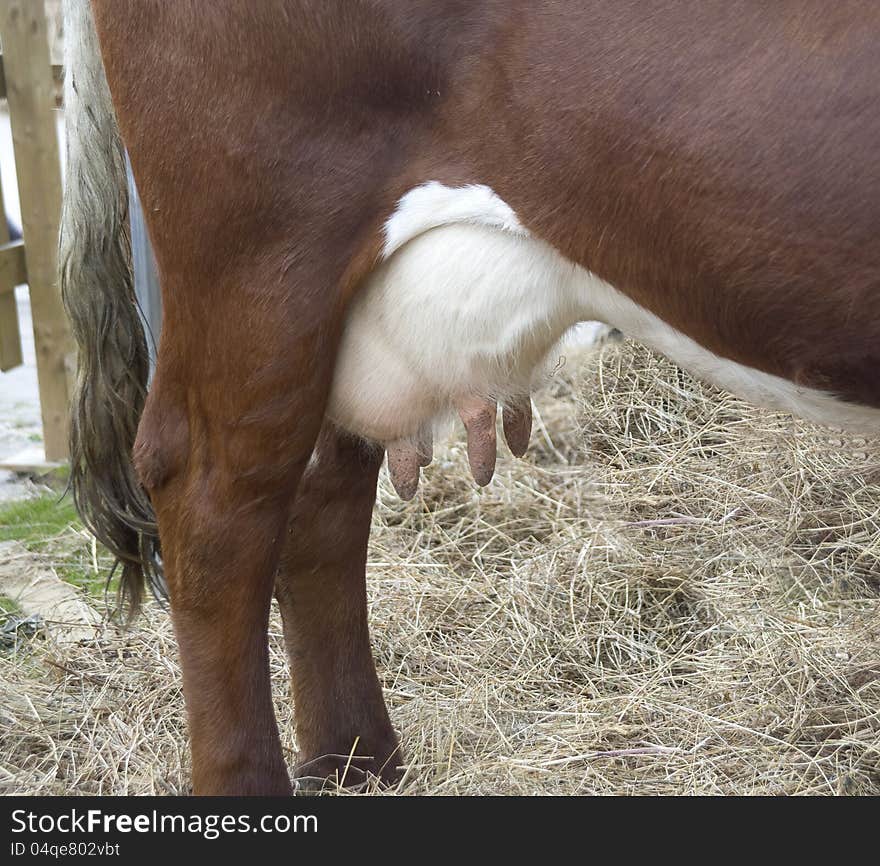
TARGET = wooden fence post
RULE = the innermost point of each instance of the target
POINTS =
(10, 336)
(31, 95)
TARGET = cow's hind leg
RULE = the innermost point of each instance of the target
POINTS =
(228, 428)
(343, 729)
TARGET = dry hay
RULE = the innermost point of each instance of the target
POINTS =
(673, 594)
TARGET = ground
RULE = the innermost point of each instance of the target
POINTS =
(673, 593)
(20, 423)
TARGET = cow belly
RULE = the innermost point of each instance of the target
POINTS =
(468, 303)
(459, 311)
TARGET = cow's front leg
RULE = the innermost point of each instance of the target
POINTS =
(342, 726)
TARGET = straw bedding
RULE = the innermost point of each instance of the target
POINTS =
(673, 593)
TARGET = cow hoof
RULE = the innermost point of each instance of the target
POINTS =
(329, 773)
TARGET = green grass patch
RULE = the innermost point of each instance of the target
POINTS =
(35, 522)
(49, 525)
(7, 606)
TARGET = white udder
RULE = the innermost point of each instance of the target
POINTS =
(466, 302)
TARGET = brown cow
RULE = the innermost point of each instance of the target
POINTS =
(465, 178)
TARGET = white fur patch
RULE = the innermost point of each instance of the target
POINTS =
(432, 205)
(467, 302)
(756, 386)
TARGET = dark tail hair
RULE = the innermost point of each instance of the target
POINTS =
(98, 291)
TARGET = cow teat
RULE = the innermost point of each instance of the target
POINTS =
(407, 457)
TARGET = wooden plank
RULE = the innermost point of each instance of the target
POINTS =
(30, 92)
(29, 461)
(12, 272)
(10, 335)
(57, 79)
(13, 262)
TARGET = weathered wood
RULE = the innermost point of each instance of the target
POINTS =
(57, 79)
(30, 92)
(12, 272)
(13, 265)
(29, 461)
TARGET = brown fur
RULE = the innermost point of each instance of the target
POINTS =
(342, 725)
(717, 162)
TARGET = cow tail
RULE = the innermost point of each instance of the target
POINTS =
(97, 287)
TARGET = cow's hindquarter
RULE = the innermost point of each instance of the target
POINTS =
(259, 201)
